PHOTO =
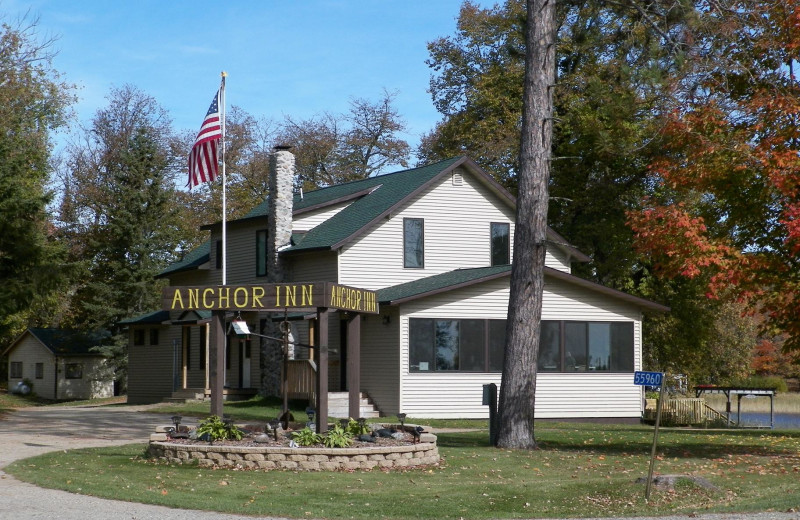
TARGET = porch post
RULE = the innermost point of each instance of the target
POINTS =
(217, 361)
(322, 371)
(354, 366)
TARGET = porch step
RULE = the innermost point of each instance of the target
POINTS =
(338, 406)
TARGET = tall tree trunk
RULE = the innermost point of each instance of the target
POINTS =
(517, 392)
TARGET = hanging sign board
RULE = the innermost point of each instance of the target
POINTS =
(270, 297)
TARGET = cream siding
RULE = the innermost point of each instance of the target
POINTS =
(30, 351)
(94, 383)
(308, 220)
(557, 259)
(375, 260)
(453, 395)
(96, 380)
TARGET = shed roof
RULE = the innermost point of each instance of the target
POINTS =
(66, 342)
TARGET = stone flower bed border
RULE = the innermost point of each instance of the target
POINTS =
(424, 453)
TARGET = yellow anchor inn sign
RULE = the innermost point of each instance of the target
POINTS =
(270, 297)
(319, 297)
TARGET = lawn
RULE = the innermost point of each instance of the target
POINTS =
(581, 470)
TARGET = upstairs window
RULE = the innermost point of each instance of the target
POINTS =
(219, 254)
(413, 243)
(500, 245)
(261, 252)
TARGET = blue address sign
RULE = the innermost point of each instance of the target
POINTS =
(647, 378)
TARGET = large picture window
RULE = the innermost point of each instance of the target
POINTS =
(580, 346)
(413, 243)
(446, 345)
(261, 253)
(500, 243)
(477, 345)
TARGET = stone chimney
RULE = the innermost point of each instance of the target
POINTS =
(279, 210)
(279, 235)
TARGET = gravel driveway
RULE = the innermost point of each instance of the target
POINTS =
(32, 431)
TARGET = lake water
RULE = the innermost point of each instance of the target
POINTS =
(782, 420)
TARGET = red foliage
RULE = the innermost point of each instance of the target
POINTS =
(728, 199)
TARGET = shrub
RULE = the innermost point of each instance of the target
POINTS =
(355, 428)
(217, 429)
(306, 437)
(338, 437)
(775, 382)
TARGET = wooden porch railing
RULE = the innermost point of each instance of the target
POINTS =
(302, 379)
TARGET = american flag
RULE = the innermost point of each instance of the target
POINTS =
(203, 166)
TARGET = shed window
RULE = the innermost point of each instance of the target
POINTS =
(39, 370)
(73, 371)
(154, 336)
(138, 336)
(413, 243)
(15, 370)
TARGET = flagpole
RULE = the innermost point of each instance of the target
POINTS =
(224, 201)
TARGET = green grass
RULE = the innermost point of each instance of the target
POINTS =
(260, 408)
(581, 470)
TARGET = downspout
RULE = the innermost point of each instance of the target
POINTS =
(55, 381)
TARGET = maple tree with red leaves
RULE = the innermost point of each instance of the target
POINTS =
(726, 201)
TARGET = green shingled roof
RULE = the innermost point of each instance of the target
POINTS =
(440, 283)
(194, 258)
(340, 191)
(65, 342)
(155, 317)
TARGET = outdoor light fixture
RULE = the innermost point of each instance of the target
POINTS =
(274, 423)
(310, 412)
(402, 418)
(344, 423)
(386, 319)
(176, 420)
(240, 328)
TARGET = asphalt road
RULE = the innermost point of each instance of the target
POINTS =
(33, 431)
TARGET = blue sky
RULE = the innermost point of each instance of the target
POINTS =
(296, 58)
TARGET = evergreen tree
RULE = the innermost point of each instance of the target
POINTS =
(123, 212)
(33, 103)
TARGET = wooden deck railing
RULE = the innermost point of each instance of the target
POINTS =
(686, 411)
(302, 379)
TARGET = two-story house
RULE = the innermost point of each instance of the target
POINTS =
(435, 242)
